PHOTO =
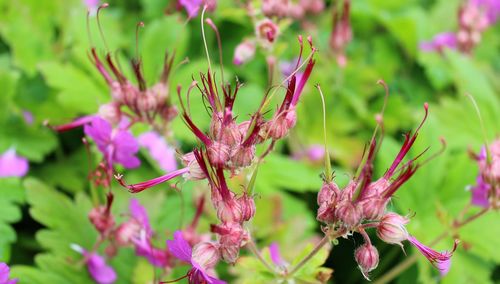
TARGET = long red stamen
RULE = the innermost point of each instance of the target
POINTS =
(79, 122)
(203, 138)
(138, 187)
(303, 81)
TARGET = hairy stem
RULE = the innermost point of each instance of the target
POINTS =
(317, 248)
(253, 248)
(408, 262)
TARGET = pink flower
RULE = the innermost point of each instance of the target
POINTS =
(12, 165)
(180, 248)
(244, 52)
(192, 7)
(4, 274)
(98, 269)
(159, 150)
(441, 260)
(440, 42)
(117, 145)
(276, 258)
(480, 193)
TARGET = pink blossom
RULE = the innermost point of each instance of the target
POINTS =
(274, 251)
(480, 193)
(440, 42)
(159, 150)
(12, 165)
(4, 274)
(117, 145)
(181, 249)
(101, 272)
(441, 260)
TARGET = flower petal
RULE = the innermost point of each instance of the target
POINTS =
(179, 247)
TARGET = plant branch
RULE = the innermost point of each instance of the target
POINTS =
(408, 262)
(306, 259)
(253, 248)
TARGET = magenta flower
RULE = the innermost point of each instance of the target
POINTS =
(138, 212)
(101, 272)
(480, 193)
(4, 274)
(440, 42)
(159, 150)
(276, 258)
(117, 145)
(180, 248)
(441, 260)
(191, 6)
(12, 165)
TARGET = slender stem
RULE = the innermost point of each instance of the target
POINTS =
(317, 248)
(398, 269)
(253, 248)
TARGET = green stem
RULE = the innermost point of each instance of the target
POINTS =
(408, 262)
(253, 248)
(317, 248)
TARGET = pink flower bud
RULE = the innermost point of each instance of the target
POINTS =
(391, 228)
(367, 258)
(168, 113)
(267, 31)
(244, 52)
(243, 156)
(229, 253)
(229, 211)
(127, 231)
(218, 154)
(102, 220)
(206, 254)
(247, 205)
(160, 92)
(328, 193)
(110, 112)
(146, 102)
(195, 172)
(348, 213)
(279, 126)
(373, 208)
(326, 213)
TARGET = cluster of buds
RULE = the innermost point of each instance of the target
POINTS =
(474, 17)
(290, 9)
(229, 145)
(341, 34)
(362, 204)
(486, 193)
(232, 211)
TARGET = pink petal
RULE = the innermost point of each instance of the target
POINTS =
(179, 247)
(99, 270)
(139, 213)
(12, 165)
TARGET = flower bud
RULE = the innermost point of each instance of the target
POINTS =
(267, 31)
(206, 254)
(279, 126)
(168, 112)
(110, 112)
(348, 213)
(243, 156)
(102, 220)
(373, 208)
(160, 91)
(218, 154)
(244, 52)
(391, 228)
(229, 253)
(247, 205)
(146, 102)
(126, 232)
(367, 258)
(326, 213)
(328, 193)
(195, 171)
(229, 211)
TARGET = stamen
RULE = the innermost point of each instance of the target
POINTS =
(483, 129)
(72, 125)
(104, 5)
(301, 44)
(138, 187)
(219, 43)
(175, 280)
(204, 38)
(139, 25)
(328, 169)
(88, 27)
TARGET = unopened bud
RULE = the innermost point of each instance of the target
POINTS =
(367, 258)
(247, 205)
(326, 213)
(348, 213)
(146, 102)
(126, 232)
(195, 171)
(244, 52)
(230, 253)
(110, 112)
(206, 254)
(102, 220)
(373, 208)
(229, 211)
(391, 228)
(218, 154)
(243, 156)
(328, 193)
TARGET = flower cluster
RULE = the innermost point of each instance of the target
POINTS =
(486, 192)
(341, 34)
(289, 9)
(362, 204)
(474, 17)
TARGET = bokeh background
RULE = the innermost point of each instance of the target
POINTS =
(45, 71)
